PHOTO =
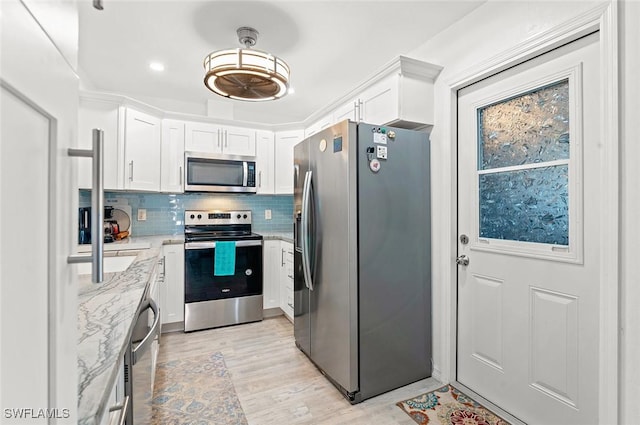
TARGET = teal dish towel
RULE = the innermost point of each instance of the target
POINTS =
(225, 259)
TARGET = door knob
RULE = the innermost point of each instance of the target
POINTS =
(462, 260)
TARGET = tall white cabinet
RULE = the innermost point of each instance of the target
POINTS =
(38, 289)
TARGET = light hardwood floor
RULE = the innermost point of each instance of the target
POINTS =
(278, 385)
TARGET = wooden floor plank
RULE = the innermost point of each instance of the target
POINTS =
(276, 383)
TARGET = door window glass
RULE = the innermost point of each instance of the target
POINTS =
(523, 167)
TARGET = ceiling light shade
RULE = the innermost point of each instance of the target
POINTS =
(246, 74)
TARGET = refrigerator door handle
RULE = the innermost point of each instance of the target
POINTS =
(305, 230)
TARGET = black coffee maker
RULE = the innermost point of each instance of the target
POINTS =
(84, 225)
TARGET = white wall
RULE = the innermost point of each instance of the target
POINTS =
(492, 29)
(630, 208)
(488, 31)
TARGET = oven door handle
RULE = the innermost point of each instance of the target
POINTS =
(212, 244)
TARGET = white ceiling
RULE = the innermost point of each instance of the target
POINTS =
(331, 46)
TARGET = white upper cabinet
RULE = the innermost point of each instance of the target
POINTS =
(319, 125)
(265, 163)
(213, 138)
(348, 111)
(202, 137)
(106, 116)
(142, 151)
(172, 156)
(285, 141)
(379, 104)
(401, 95)
(239, 141)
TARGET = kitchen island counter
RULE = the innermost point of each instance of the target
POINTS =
(106, 313)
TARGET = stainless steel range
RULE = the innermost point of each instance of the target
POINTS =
(223, 270)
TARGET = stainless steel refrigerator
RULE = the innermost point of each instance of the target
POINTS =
(362, 291)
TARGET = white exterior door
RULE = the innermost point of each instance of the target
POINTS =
(528, 222)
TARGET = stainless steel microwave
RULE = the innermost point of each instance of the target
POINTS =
(205, 172)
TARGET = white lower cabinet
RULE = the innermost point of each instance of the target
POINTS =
(286, 279)
(116, 399)
(172, 289)
(271, 274)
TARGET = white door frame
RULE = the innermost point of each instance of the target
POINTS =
(603, 19)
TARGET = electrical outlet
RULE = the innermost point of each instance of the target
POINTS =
(142, 214)
(267, 214)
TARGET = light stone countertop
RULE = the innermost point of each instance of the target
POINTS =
(106, 313)
(284, 236)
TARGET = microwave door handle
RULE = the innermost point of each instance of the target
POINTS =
(245, 173)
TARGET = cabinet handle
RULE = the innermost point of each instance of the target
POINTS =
(290, 305)
(218, 137)
(123, 409)
(97, 4)
(226, 139)
(281, 257)
(355, 111)
(97, 206)
(260, 178)
(180, 175)
(131, 171)
(360, 105)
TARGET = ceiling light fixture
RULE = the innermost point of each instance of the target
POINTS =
(156, 66)
(245, 73)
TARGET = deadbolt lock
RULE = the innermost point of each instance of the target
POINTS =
(464, 239)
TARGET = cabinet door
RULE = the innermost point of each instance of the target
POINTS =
(286, 279)
(319, 125)
(239, 141)
(271, 274)
(285, 141)
(379, 104)
(172, 156)
(142, 151)
(172, 289)
(202, 137)
(107, 116)
(348, 111)
(38, 113)
(265, 158)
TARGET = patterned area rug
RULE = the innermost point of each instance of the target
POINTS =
(448, 406)
(196, 391)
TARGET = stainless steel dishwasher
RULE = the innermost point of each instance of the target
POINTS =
(139, 363)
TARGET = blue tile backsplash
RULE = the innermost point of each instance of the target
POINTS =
(165, 212)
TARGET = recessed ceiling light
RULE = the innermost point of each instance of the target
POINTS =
(291, 90)
(156, 66)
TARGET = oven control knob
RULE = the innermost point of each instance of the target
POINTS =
(244, 216)
(192, 216)
(238, 216)
(199, 216)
